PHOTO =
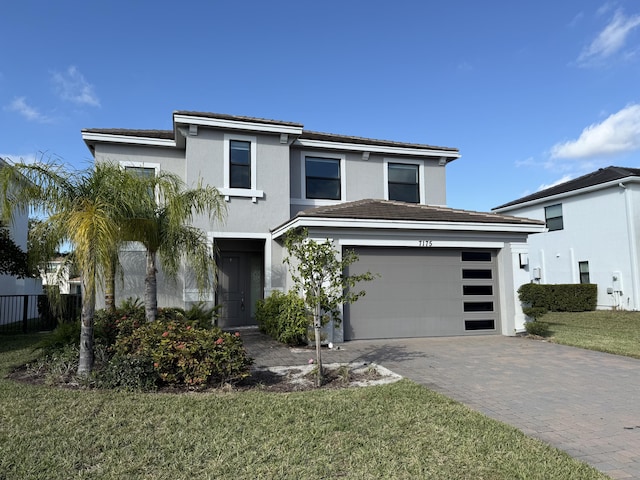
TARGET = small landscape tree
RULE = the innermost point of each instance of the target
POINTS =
(318, 272)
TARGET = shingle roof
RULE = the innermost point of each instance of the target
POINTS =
(603, 175)
(306, 134)
(332, 137)
(369, 209)
(224, 116)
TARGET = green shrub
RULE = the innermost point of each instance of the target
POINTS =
(537, 328)
(58, 365)
(534, 312)
(284, 317)
(559, 297)
(185, 355)
(109, 325)
(63, 335)
(127, 372)
(202, 317)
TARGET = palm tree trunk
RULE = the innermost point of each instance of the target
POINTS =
(110, 287)
(151, 288)
(85, 363)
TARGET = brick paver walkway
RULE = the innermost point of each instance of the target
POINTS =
(585, 403)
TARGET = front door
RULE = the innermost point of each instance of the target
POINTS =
(239, 287)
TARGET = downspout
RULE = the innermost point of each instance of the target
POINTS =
(633, 251)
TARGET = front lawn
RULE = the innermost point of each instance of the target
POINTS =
(605, 331)
(397, 431)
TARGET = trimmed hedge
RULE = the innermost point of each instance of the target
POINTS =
(558, 298)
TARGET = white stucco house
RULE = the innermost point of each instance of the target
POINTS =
(592, 234)
(443, 271)
(18, 231)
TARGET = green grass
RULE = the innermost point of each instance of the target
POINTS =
(605, 331)
(397, 431)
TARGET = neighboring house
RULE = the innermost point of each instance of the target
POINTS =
(18, 231)
(592, 234)
(58, 272)
(443, 271)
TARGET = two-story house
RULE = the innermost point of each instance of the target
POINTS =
(592, 234)
(442, 271)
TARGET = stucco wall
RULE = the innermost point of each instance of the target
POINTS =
(596, 230)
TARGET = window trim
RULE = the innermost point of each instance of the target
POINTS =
(226, 189)
(402, 161)
(303, 178)
(547, 218)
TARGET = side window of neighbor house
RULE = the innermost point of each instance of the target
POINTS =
(239, 164)
(583, 267)
(404, 183)
(553, 217)
(322, 178)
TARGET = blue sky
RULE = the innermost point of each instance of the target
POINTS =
(532, 93)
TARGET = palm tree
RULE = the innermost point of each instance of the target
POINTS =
(82, 208)
(162, 223)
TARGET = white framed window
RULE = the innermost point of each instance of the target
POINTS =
(239, 175)
(322, 178)
(404, 180)
(144, 169)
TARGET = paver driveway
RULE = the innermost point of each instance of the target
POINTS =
(585, 403)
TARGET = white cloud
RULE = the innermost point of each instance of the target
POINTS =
(11, 158)
(20, 106)
(566, 178)
(72, 86)
(617, 134)
(610, 40)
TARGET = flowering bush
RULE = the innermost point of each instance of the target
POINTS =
(185, 355)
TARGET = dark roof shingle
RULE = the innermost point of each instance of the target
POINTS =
(603, 175)
(369, 209)
(332, 137)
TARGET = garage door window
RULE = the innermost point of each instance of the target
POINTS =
(478, 306)
(477, 289)
(476, 256)
(476, 273)
(479, 325)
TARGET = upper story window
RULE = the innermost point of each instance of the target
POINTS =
(323, 178)
(240, 179)
(143, 172)
(553, 217)
(239, 164)
(404, 182)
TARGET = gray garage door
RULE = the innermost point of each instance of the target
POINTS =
(424, 292)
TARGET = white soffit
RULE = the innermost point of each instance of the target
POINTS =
(238, 124)
(406, 225)
(115, 138)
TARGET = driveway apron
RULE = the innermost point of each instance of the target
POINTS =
(583, 402)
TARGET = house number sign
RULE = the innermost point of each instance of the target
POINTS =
(425, 243)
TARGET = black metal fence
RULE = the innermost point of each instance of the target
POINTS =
(28, 313)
